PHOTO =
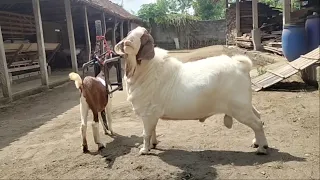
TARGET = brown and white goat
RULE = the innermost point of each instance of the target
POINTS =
(93, 96)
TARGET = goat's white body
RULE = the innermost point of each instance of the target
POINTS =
(166, 88)
(194, 90)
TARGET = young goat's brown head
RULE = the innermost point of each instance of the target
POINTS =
(136, 47)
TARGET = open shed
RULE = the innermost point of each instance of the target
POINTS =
(39, 35)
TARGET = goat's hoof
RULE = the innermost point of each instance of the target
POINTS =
(262, 150)
(109, 133)
(100, 147)
(85, 149)
(255, 145)
(143, 151)
(153, 145)
(202, 120)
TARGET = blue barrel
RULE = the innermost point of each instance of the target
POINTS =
(313, 31)
(294, 41)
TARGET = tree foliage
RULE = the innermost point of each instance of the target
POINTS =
(209, 10)
(167, 12)
(175, 12)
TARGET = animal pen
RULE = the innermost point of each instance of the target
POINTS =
(47, 39)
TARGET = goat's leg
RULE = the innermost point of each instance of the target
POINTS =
(149, 125)
(154, 141)
(84, 108)
(249, 118)
(95, 131)
(109, 117)
(104, 122)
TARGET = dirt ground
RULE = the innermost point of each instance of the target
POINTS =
(40, 139)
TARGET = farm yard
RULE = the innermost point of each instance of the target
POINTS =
(40, 138)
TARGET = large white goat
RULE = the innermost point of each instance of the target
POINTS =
(162, 87)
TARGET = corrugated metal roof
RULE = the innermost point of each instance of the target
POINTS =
(278, 74)
(111, 8)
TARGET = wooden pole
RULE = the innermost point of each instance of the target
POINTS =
(103, 24)
(104, 31)
(255, 14)
(129, 26)
(238, 18)
(121, 30)
(72, 43)
(114, 41)
(4, 74)
(256, 35)
(87, 32)
(286, 11)
(40, 43)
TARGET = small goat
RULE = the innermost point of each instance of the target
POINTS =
(162, 87)
(93, 96)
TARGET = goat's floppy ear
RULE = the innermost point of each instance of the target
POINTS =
(146, 51)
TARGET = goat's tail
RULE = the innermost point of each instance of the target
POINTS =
(245, 62)
(76, 78)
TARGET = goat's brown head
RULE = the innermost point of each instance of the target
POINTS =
(137, 46)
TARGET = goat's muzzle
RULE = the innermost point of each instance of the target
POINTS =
(119, 48)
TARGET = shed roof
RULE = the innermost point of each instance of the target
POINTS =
(111, 8)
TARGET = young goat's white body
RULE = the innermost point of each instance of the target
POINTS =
(93, 97)
(168, 89)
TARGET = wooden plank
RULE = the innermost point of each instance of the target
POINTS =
(19, 29)
(308, 64)
(15, 55)
(15, 14)
(274, 79)
(40, 43)
(275, 73)
(266, 75)
(17, 33)
(24, 68)
(19, 20)
(4, 73)
(72, 42)
(10, 23)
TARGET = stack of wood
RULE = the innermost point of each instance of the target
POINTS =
(272, 42)
(245, 41)
(270, 23)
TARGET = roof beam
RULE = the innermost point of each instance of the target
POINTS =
(18, 1)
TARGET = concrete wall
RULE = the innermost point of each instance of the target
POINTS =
(200, 34)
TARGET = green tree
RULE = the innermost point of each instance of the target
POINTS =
(167, 12)
(209, 9)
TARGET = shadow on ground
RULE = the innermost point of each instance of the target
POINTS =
(292, 87)
(20, 117)
(120, 146)
(199, 164)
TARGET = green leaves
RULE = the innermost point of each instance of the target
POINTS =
(175, 12)
(209, 9)
(167, 12)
